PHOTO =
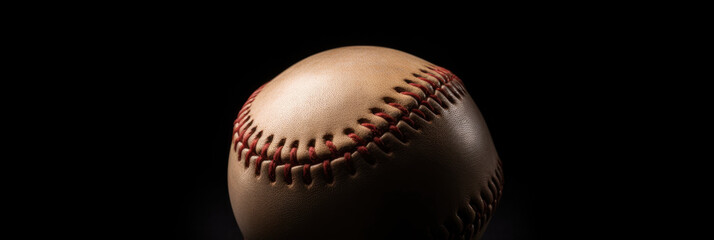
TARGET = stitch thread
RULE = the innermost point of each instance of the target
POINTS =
(251, 150)
(276, 156)
(348, 162)
(271, 170)
(258, 160)
(312, 154)
(327, 170)
(306, 177)
(287, 175)
(333, 149)
(293, 155)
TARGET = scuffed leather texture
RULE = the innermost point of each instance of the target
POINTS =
(437, 177)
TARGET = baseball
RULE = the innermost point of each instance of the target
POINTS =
(363, 142)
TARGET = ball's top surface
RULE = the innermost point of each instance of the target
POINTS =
(329, 95)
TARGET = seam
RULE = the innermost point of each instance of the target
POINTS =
(443, 81)
(471, 219)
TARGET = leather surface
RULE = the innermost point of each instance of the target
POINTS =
(440, 180)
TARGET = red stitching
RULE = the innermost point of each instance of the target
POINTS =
(306, 177)
(379, 143)
(428, 105)
(438, 100)
(242, 115)
(237, 129)
(251, 150)
(448, 76)
(293, 155)
(443, 77)
(372, 128)
(421, 87)
(235, 147)
(287, 175)
(400, 107)
(442, 90)
(392, 124)
(356, 138)
(271, 170)
(419, 112)
(395, 129)
(348, 162)
(363, 150)
(276, 156)
(240, 139)
(389, 119)
(414, 95)
(442, 81)
(245, 137)
(239, 118)
(257, 164)
(408, 120)
(264, 151)
(405, 113)
(327, 169)
(331, 146)
(312, 154)
(433, 85)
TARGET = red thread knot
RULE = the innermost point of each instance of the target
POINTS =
(437, 78)
(395, 130)
(306, 177)
(251, 149)
(327, 170)
(276, 156)
(400, 107)
(437, 100)
(332, 147)
(379, 143)
(348, 162)
(287, 175)
(293, 155)
(239, 128)
(312, 154)
(258, 164)
(245, 138)
(408, 120)
(373, 128)
(428, 105)
(271, 171)
(414, 95)
(448, 76)
(419, 112)
(241, 137)
(362, 150)
(421, 87)
(389, 119)
(235, 147)
(264, 151)
(433, 85)
(356, 139)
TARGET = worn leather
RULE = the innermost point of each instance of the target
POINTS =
(441, 180)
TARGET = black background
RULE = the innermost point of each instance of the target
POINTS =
(127, 110)
(170, 92)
